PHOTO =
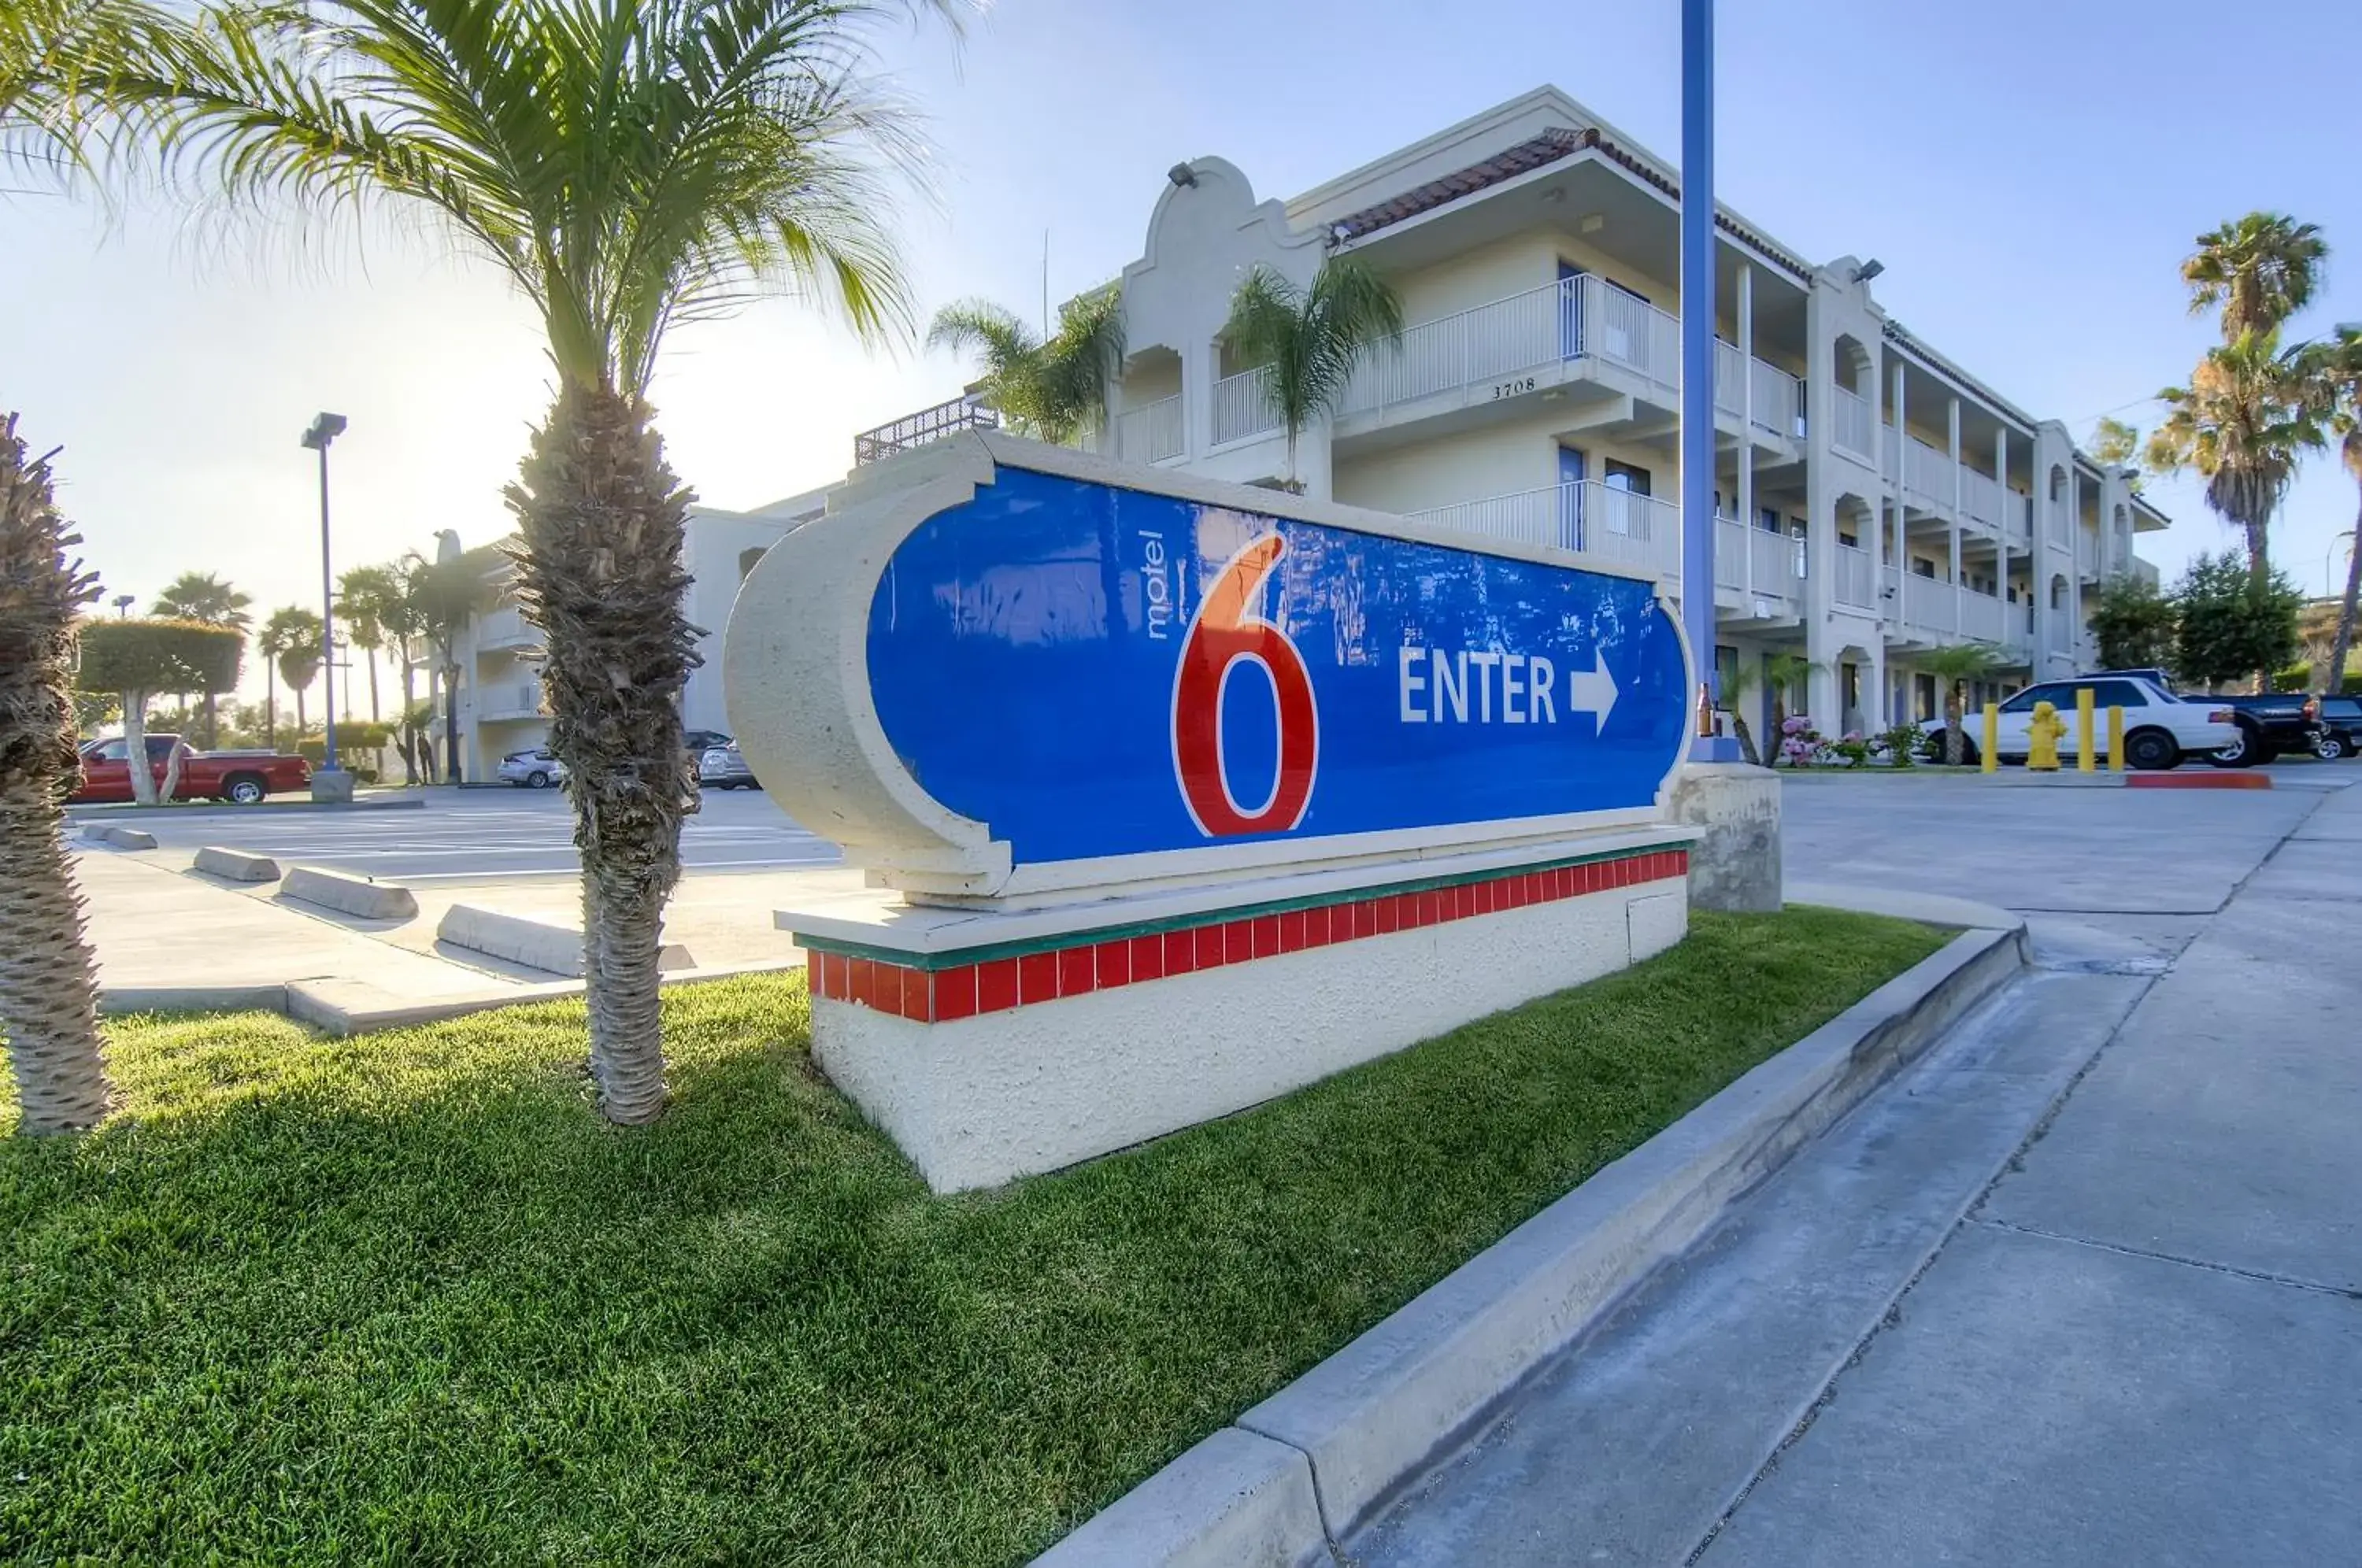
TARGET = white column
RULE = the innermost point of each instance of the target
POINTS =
(1953, 413)
(2001, 551)
(1746, 422)
(2074, 638)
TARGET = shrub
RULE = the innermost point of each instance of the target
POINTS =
(1800, 744)
(1900, 747)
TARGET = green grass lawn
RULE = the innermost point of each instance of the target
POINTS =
(405, 1299)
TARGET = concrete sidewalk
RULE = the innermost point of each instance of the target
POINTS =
(169, 937)
(2085, 1287)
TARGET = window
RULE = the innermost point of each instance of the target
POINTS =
(1726, 669)
(2108, 694)
(1923, 697)
(2025, 700)
(1768, 519)
(1921, 566)
(111, 751)
(1846, 538)
(1627, 477)
(1622, 514)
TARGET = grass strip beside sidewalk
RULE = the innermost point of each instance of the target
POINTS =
(404, 1298)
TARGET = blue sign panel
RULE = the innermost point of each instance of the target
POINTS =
(1095, 671)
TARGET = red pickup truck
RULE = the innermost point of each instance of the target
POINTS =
(242, 777)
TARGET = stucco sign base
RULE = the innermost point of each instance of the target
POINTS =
(996, 1059)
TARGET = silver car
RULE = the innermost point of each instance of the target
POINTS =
(536, 769)
(725, 767)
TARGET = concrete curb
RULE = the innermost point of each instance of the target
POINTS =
(235, 865)
(353, 895)
(1376, 1415)
(342, 1006)
(116, 1000)
(223, 808)
(1234, 1498)
(117, 837)
(539, 944)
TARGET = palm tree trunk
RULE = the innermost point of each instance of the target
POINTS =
(409, 736)
(603, 519)
(301, 723)
(451, 720)
(2345, 642)
(135, 748)
(370, 654)
(269, 705)
(1955, 714)
(48, 982)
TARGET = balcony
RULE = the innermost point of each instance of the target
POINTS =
(1587, 517)
(505, 628)
(1242, 408)
(509, 700)
(1855, 583)
(966, 412)
(1482, 354)
(1151, 434)
(1853, 427)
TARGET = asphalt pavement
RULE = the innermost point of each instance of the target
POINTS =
(2083, 1286)
(475, 836)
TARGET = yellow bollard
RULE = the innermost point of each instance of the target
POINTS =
(2087, 752)
(2115, 739)
(2042, 739)
(1991, 757)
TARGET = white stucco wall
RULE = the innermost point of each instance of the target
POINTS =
(982, 1100)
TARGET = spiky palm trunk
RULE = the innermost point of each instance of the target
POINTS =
(603, 519)
(2344, 643)
(48, 982)
(1955, 714)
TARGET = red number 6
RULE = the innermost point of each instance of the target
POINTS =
(1222, 634)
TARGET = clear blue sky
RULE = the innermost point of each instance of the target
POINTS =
(2031, 172)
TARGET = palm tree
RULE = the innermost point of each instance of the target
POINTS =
(367, 603)
(1053, 388)
(437, 598)
(290, 642)
(1736, 686)
(1310, 340)
(2260, 270)
(202, 596)
(2341, 388)
(2251, 411)
(59, 110)
(629, 165)
(49, 975)
(1785, 674)
(1955, 666)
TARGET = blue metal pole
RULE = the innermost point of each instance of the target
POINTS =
(1697, 365)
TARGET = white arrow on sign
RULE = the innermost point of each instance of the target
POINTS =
(1591, 692)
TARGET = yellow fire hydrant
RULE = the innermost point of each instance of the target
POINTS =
(2042, 739)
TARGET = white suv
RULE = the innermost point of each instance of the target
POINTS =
(2160, 729)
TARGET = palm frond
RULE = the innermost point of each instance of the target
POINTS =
(2259, 271)
(630, 165)
(1310, 340)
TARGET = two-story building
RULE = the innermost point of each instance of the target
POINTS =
(1874, 500)
(499, 696)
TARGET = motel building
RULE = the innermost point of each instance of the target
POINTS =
(1875, 501)
(501, 706)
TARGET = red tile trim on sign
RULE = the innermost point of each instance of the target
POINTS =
(944, 995)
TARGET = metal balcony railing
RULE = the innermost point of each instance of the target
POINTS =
(1150, 434)
(964, 413)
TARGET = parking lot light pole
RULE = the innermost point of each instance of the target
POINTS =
(325, 428)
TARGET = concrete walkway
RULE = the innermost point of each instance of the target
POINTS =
(2086, 1286)
(171, 937)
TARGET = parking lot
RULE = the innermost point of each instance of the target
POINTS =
(475, 836)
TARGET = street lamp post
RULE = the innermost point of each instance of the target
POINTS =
(1697, 370)
(325, 428)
